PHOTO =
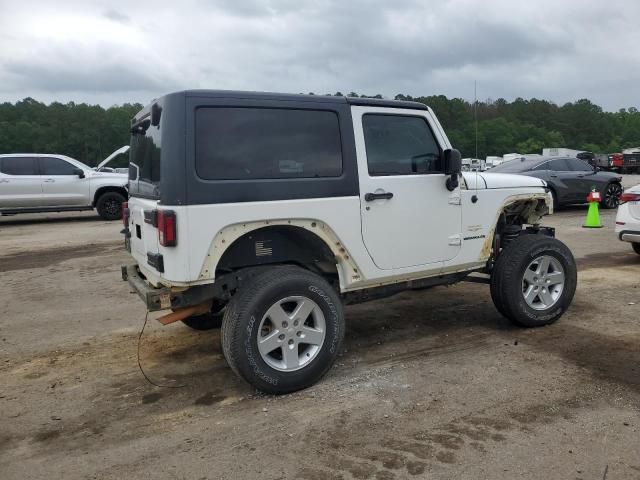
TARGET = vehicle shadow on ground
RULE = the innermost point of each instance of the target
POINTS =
(20, 220)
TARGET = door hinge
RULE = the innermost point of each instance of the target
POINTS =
(455, 240)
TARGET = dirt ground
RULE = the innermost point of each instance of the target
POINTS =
(431, 384)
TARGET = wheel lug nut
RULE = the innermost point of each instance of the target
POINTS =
(291, 341)
(298, 334)
(281, 336)
(285, 324)
(295, 323)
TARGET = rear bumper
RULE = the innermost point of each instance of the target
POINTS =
(162, 298)
(154, 298)
(629, 236)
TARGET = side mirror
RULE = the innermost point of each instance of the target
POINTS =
(452, 162)
(79, 172)
(452, 167)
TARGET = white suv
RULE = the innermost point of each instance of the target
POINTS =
(31, 182)
(273, 211)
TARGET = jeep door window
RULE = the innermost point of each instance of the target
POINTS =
(18, 166)
(267, 143)
(400, 145)
(56, 166)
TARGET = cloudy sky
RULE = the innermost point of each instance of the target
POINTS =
(117, 51)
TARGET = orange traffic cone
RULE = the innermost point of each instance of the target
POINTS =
(593, 214)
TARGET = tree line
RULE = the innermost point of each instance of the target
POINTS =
(90, 132)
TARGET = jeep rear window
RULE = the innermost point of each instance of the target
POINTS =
(144, 157)
(266, 143)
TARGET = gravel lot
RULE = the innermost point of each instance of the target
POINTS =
(432, 384)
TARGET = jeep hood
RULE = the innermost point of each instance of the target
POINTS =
(124, 149)
(505, 180)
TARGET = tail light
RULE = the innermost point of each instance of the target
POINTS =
(125, 214)
(629, 197)
(166, 221)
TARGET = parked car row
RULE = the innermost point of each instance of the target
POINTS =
(569, 179)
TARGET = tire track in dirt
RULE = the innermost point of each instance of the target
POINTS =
(52, 256)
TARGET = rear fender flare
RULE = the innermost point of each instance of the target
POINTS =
(348, 271)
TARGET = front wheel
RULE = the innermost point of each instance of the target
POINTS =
(283, 329)
(534, 280)
(611, 197)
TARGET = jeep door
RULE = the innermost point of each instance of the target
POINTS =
(19, 183)
(409, 218)
(61, 185)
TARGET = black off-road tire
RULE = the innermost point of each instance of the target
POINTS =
(206, 321)
(244, 313)
(109, 205)
(507, 280)
(636, 247)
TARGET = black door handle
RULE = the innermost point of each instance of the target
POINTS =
(370, 197)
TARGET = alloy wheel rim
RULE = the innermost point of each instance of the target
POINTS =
(543, 282)
(112, 207)
(612, 195)
(291, 333)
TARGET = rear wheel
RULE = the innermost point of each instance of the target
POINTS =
(611, 196)
(283, 329)
(534, 280)
(636, 247)
(109, 205)
(206, 321)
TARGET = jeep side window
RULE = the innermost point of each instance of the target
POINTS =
(55, 166)
(18, 166)
(400, 145)
(262, 143)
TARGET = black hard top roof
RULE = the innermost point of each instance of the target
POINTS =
(372, 102)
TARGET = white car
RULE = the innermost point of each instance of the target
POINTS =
(628, 218)
(35, 182)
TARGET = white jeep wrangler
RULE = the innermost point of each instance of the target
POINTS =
(272, 211)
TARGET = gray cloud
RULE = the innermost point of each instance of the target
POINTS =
(561, 51)
(99, 79)
(116, 16)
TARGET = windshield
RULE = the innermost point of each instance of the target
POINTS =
(144, 157)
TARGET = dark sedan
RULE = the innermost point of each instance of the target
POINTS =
(570, 179)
